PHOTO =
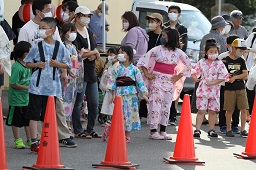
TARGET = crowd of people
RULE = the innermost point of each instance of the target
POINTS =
(59, 58)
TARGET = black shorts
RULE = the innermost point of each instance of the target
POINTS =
(17, 116)
(36, 107)
(1, 79)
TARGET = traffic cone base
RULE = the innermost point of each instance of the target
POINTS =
(34, 168)
(250, 147)
(116, 153)
(177, 161)
(184, 151)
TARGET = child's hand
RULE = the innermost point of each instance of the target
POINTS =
(54, 63)
(64, 77)
(113, 99)
(145, 97)
(1, 68)
(176, 78)
(209, 83)
(91, 58)
(232, 79)
(71, 73)
(150, 76)
(40, 64)
(195, 79)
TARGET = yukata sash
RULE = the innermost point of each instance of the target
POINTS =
(164, 68)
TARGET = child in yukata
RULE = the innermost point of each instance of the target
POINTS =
(211, 72)
(161, 72)
(126, 81)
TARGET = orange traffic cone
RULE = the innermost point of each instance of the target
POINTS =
(49, 151)
(250, 148)
(3, 163)
(116, 153)
(184, 151)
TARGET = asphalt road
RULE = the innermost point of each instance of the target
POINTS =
(217, 153)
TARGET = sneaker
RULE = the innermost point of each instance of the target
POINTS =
(212, 133)
(230, 134)
(197, 133)
(244, 134)
(236, 130)
(156, 136)
(69, 143)
(28, 143)
(223, 129)
(34, 146)
(173, 123)
(166, 136)
(18, 144)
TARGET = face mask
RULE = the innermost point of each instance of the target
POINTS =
(64, 16)
(85, 21)
(125, 25)
(227, 29)
(239, 54)
(48, 14)
(111, 58)
(100, 14)
(152, 26)
(121, 58)
(72, 36)
(173, 16)
(230, 49)
(212, 56)
(222, 32)
(42, 33)
(163, 41)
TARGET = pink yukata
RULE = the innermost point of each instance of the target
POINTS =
(163, 64)
(208, 97)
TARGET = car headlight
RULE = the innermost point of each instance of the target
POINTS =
(193, 55)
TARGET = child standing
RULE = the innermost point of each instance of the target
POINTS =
(235, 92)
(70, 84)
(48, 82)
(18, 95)
(212, 72)
(124, 82)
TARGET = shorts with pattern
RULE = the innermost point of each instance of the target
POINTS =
(203, 103)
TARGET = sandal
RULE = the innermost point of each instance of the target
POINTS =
(128, 139)
(212, 133)
(166, 136)
(197, 133)
(84, 135)
(156, 136)
(95, 135)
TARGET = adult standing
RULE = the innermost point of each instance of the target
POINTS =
(238, 29)
(85, 40)
(30, 33)
(96, 26)
(136, 36)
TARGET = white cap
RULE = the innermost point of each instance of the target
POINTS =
(83, 9)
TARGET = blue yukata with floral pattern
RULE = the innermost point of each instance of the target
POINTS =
(47, 86)
(129, 94)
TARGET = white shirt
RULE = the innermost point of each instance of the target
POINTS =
(29, 33)
(250, 59)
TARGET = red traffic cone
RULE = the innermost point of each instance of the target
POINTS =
(250, 148)
(3, 162)
(49, 151)
(184, 151)
(116, 153)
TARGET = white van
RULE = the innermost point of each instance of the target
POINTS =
(196, 23)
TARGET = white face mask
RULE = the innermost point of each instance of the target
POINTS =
(85, 21)
(152, 26)
(72, 36)
(64, 16)
(212, 56)
(42, 33)
(125, 25)
(111, 58)
(100, 14)
(48, 14)
(222, 32)
(121, 58)
(227, 28)
(173, 16)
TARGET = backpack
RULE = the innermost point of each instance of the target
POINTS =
(42, 58)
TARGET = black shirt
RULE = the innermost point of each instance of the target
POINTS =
(154, 40)
(89, 66)
(235, 67)
(17, 23)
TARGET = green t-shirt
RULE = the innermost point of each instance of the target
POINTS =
(20, 75)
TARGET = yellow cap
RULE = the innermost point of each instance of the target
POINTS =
(239, 43)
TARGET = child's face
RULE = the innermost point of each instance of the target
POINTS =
(45, 30)
(212, 50)
(125, 54)
(71, 35)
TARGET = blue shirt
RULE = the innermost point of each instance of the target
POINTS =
(96, 26)
(47, 86)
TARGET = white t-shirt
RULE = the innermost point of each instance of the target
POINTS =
(250, 59)
(29, 33)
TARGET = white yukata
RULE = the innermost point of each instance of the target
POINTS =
(208, 97)
(161, 89)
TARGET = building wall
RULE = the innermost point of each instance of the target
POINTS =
(116, 9)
